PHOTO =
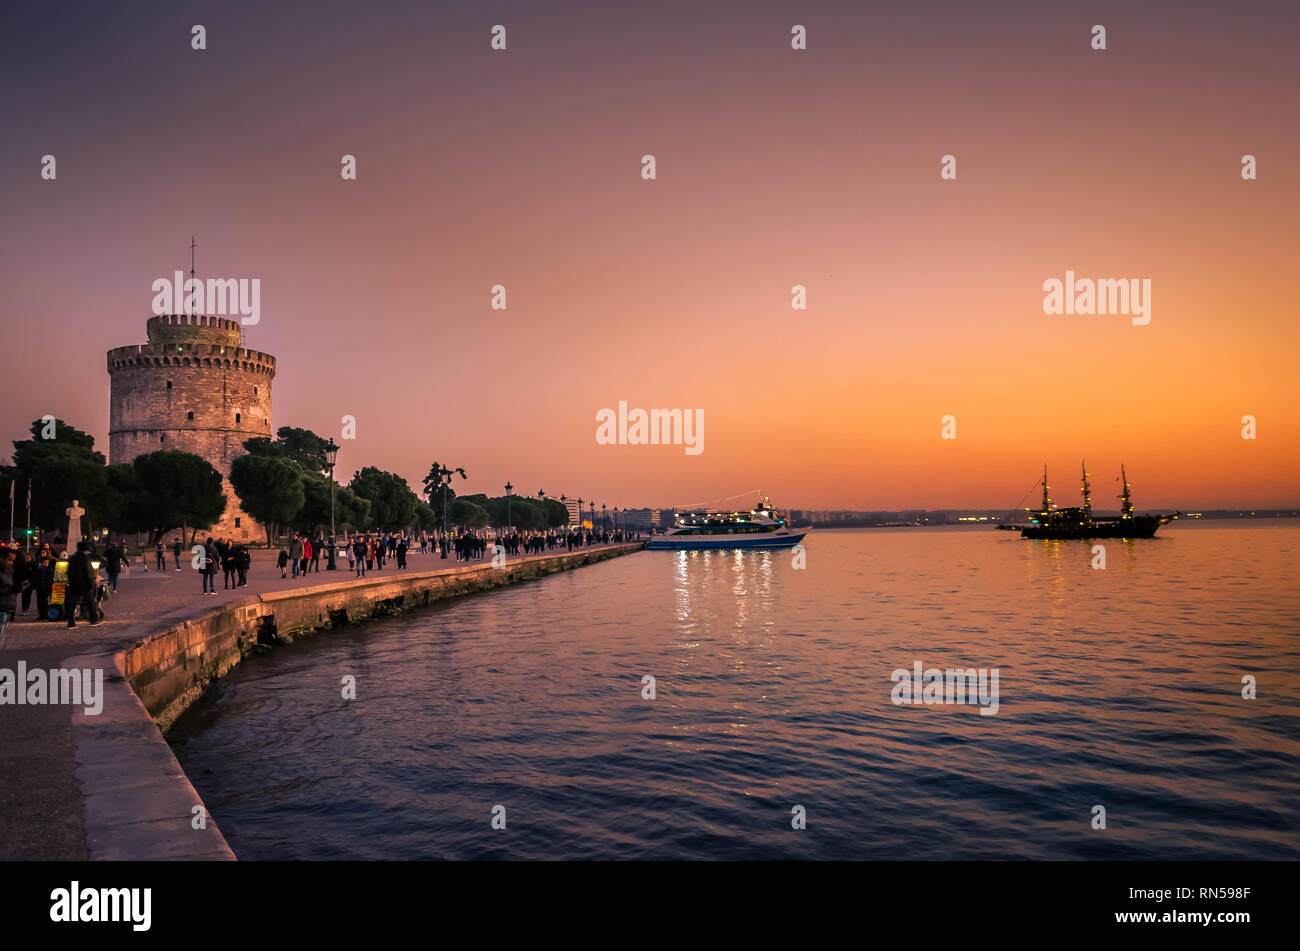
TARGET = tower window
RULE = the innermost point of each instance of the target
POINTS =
(236, 522)
(189, 415)
(169, 384)
(254, 391)
(162, 438)
(236, 417)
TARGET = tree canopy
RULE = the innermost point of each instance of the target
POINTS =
(392, 503)
(59, 463)
(270, 489)
(182, 490)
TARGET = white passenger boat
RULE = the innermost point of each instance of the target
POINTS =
(762, 527)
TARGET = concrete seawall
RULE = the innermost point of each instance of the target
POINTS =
(138, 804)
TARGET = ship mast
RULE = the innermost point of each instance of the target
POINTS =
(1047, 502)
(1126, 511)
(1087, 491)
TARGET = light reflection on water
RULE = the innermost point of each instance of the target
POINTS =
(1118, 687)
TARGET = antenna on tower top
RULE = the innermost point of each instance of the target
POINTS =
(191, 274)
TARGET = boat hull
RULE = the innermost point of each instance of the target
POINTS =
(679, 543)
(1141, 526)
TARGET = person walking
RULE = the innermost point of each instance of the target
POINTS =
(114, 556)
(282, 560)
(176, 553)
(295, 553)
(81, 587)
(160, 554)
(352, 559)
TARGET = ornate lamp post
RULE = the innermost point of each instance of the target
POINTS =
(604, 518)
(444, 477)
(509, 523)
(331, 457)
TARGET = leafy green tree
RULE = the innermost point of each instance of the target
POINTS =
(392, 503)
(468, 514)
(426, 517)
(304, 447)
(349, 509)
(60, 464)
(270, 489)
(179, 489)
(262, 446)
(438, 493)
(131, 502)
(519, 512)
(554, 514)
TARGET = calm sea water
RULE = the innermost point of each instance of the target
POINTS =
(1119, 687)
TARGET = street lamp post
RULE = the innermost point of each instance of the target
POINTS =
(604, 518)
(509, 523)
(444, 476)
(331, 457)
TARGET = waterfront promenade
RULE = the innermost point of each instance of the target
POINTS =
(106, 786)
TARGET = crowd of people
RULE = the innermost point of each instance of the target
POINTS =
(24, 578)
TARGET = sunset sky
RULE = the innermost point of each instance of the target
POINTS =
(775, 167)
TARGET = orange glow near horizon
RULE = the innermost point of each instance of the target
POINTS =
(774, 169)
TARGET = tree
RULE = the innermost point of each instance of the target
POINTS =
(554, 514)
(349, 509)
(436, 491)
(392, 503)
(303, 447)
(468, 514)
(131, 503)
(263, 446)
(518, 512)
(59, 463)
(179, 489)
(269, 488)
(426, 517)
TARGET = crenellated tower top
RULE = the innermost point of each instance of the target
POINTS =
(187, 328)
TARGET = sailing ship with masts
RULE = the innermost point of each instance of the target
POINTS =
(1079, 522)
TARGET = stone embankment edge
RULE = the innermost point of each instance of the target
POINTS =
(138, 804)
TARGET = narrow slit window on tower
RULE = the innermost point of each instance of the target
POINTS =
(236, 417)
(254, 391)
(236, 521)
(190, 414)
(169, 384)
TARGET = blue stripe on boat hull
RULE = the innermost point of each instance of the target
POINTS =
(678, 543)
